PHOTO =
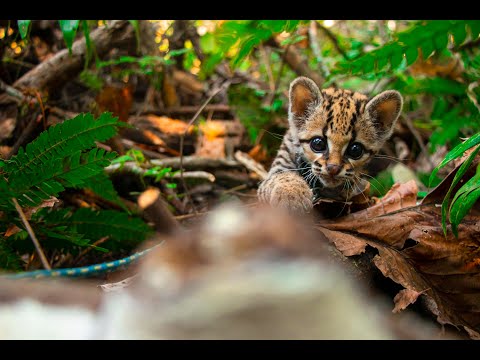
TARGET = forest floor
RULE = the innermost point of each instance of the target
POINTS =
(189, 142)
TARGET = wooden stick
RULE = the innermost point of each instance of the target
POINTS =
(133, 167)
(196, 162)
(29, 229)
(196, 175)
(252, 165)
(10, 90)
(156, 211)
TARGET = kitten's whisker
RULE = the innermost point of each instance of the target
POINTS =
(398, 160)
(347, 182)
(373, 179)
(275, 135)
(311, 178)
(359, 189)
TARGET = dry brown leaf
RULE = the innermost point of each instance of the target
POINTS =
(404, 298)
(118, 100)
(414, 252)
(165, 124)
(438, 65)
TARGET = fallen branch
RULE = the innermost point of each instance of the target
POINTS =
(196, 163)
(133, 167)
(60, 68)
(195, 175)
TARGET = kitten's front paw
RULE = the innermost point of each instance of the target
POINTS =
(289, 192)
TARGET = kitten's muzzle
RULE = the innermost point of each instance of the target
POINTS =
(333, 169)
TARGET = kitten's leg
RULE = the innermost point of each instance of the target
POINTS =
(284, 187)
(287, 190)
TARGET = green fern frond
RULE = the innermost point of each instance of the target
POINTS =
(117, 225)
(426, 36)
(9, 260)
(101, 185)
(32, 187)
(62, 140)
(5, 195)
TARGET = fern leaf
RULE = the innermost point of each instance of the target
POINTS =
(62, 140)
(5, 195)
(101, 185)
(427, 36)
(32, 187)
(117, 225)
(85, 166)
(9, 260)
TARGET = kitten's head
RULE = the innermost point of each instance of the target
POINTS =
(340, 130)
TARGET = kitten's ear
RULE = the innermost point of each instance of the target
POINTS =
(303, 92)
(384, 110)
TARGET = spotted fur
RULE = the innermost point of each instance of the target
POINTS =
(344, 121)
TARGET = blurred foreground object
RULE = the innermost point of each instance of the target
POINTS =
(241, 274)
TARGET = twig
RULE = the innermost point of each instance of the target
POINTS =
(18, 62)
(236, 188)
(188, 216)
(334, 40)
(88, 249)
(247, 161)
(190, 123)
(29, 229)
(189, 163)
(10, 90)
(196, 175)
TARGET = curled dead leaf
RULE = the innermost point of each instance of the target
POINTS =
(413, 251)
(404, 298)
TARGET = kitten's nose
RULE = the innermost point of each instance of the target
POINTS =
(333, 169)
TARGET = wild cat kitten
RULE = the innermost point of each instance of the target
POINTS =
(332, 135)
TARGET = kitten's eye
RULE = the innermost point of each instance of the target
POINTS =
(355, 151)
(318, 144)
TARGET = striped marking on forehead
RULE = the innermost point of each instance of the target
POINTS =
(341, 108)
